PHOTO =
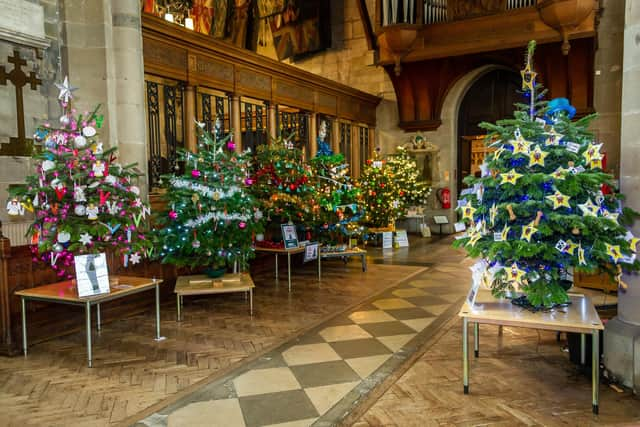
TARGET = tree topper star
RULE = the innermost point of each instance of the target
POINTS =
(66, 90)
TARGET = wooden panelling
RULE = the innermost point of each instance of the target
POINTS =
(172, 51)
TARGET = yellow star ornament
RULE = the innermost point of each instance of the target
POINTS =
(510, 177)
(514, 274)
(504, 234)
(528, 231)
(536, 157)
(588, 208)
(633, 243)
(592, 152)
(520, 145)
(614, 252)
(559, 200)
(498, 152)
(467, 212)
(553, 138)
(559, 173)
(493, 212)
(473, 238)
(571, 247)
(595, 163)
(528, 77)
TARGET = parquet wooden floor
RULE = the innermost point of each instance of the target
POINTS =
(53, 386)
(522, 378)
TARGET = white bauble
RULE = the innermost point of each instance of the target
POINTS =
(89, 131)
(135, 190)
(63, 237)
(80, 210)
(65, 120)
(259, 237)
(110, 179)
(47, 165)
(80, 142)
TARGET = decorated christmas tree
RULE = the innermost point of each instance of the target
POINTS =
(82, 199)
(381, 193)
(211, 218)
(341, 202)
(538, 209)
(407, 176)
(283, 184)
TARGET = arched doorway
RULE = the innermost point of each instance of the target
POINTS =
(490, 98)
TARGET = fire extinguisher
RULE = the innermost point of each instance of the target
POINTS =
(444, 196)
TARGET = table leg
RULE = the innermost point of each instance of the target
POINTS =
(24, 326)
(476, 339)
(158, 337)
(98, 319)
(465, 355)
(595, 369)
(251, 301)
(583, 349)
(178, 307)
(276, 266)
(319, 268)
(87, 313)
(289, 269)
(364, 263)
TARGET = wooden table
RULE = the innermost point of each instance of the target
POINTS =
(354, 252)
(580, 317)
(201, 284)
(289, 252)
(67, 293)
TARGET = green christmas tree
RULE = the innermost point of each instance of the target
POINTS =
(283, 184)
(414, 190)
(211, 217)
(83, 200)
(381, 193)
(538, 209)
(341, 202)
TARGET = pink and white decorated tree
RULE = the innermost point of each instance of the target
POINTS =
(83, 200)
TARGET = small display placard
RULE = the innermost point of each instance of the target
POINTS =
(440, 219)
(92, 275)
(459, 226)
(402, 240)
(473, 293)
(290, 236)
(387, 240)
(311, 252)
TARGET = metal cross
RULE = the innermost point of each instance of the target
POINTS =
(20, 145)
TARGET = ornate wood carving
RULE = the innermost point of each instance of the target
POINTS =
(462, 9)
(173, 52)
(422, 86)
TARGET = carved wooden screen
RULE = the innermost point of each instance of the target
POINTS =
(211, 105)
(165, 125)
(292, 121)
(345, 141)
(364, 144)
(254, 122)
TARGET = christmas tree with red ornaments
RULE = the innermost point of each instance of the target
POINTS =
(283, 184)
(211, 218)
(382, 193)
(83, 200)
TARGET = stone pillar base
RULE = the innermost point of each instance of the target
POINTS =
(622, 353)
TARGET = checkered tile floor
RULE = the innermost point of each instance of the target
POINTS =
(333, 364)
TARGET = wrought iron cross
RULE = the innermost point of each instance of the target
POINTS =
(20, 145)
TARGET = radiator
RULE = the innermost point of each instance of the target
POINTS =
(16, 231)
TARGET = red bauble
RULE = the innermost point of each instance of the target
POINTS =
(292, 187)
(382, 185)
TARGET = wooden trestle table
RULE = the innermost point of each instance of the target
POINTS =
(353, 252)
(580, 317)
(67, 293)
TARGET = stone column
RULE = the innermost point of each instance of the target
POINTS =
(622, 334)
(236, 122)
(128, 85)
(102, 54)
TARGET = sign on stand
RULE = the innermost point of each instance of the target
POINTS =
(402, 240)
(311, 252)
(92, 276)
(387, 239)
(290, 236)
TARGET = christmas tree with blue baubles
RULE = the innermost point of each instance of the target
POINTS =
(210, 218)
(82, 199)
(341, 202)
(538, 210)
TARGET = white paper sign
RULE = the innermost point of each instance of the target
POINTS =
(92, 274)
(311, 252)
(440, 219)
(401, 239)
(459, 226)
(473, 293)
(497, 237)
(387, 239)
(573, 147)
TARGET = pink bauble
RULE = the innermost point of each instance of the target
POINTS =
(248, 181)
(242, 225)
(195, 173)
(231, 145)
